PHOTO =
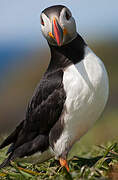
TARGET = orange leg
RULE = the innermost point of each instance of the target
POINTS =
(64, 163)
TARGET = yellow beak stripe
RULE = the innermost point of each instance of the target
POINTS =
(51, 35)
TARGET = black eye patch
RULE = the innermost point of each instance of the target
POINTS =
(67, 15)
(42, 22)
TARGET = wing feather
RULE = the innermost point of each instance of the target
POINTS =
(42, 113)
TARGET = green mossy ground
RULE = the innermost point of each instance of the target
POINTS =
(92, 163)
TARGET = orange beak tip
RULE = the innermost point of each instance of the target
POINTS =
(58, 33)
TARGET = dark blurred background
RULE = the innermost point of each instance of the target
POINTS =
(24, 56)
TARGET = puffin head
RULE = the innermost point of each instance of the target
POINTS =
(58, 26)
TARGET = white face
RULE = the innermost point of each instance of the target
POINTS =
(58, 28)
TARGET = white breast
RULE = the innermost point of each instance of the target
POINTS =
(86, 87)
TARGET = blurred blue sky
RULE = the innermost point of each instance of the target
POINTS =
(19, 20)
(20, 30)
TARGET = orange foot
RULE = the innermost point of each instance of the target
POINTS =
(64, 163)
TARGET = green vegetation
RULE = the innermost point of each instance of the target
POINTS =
(97, 162)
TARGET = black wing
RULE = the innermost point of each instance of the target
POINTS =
(43, 112)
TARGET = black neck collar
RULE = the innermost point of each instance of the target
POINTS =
(63, 56)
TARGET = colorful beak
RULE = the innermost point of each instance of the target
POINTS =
(57, 32)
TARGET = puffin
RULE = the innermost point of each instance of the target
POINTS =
(69, 98)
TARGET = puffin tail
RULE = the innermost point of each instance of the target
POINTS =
(10, 140)
(13, 136)
(6, 162)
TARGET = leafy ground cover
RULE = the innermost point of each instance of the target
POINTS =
(92, 163)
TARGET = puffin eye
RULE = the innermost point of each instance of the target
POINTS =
(42, 22)
(67, 15)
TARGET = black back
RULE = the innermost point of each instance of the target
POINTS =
(46, 105)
